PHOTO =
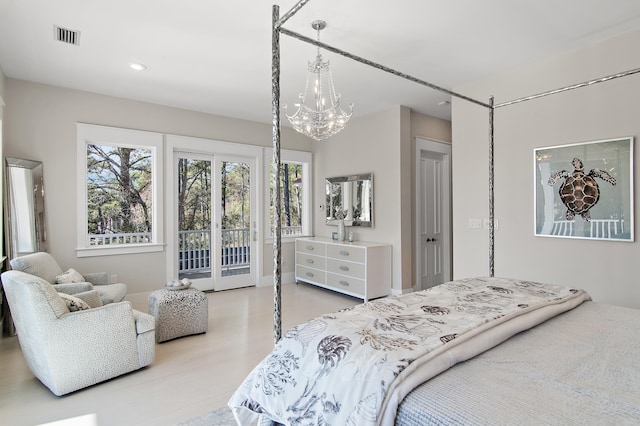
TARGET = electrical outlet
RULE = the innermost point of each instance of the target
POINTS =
(114, 278)
(475, 224)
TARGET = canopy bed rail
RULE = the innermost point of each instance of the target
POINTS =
(276, 30)
(498, 291)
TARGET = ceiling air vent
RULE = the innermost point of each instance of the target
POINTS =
(67, 36)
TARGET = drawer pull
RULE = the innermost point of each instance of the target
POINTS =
(309, 260)
(344, 268)
(309, 274)
(344, 283)
(309, 248)
(344, 252)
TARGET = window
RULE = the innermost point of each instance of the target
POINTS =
(295, 193)
(119, 191)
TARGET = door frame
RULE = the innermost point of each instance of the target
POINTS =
(175, 144)
(444, 149)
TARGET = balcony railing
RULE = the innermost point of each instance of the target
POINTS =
(112, 239)
(194, 247)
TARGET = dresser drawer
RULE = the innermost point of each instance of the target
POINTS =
(311, 261)
(311, 247)
(308, 274)
(353, 254)
(352, 269)
(343, 283)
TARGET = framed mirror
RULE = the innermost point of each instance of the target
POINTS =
(352, 195)
(25, 219)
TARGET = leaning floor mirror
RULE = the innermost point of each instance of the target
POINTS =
(24, 207)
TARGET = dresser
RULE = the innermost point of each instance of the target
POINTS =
(359, 269)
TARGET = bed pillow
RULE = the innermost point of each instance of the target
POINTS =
(70, 276)
(74, 303)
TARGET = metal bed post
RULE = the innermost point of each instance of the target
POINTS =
(277, 208)
(491, 193)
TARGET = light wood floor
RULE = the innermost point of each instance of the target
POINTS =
(189, 377)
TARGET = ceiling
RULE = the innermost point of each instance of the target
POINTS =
(215, 56)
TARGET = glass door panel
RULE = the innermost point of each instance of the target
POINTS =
(194, 245)
(235, 224)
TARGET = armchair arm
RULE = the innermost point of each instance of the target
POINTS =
(73, 288)
(97, 278)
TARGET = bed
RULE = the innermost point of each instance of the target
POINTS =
(380, 363)
(557, 358)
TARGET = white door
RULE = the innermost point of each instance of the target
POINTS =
(433, 212)
(234, 226)
(215, 242)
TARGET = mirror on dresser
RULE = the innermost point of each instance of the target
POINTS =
(354, 194)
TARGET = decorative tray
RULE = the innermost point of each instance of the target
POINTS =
(180, 287)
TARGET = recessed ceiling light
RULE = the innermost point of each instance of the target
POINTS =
(138, 66)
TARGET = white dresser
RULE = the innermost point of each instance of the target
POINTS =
(359, 269)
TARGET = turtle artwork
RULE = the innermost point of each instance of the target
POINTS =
(580, 191)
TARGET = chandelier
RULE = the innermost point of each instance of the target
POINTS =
(319, 114)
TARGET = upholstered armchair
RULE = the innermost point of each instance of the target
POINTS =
(67, 344)
(43, 265)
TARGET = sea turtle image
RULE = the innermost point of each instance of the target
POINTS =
(580, 191)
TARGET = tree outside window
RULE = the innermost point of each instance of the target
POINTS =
(291, 187)
(119, 195)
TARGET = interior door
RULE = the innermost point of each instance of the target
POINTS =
(433, 213)
(234, 224)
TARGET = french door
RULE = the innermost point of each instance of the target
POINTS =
(215, 220)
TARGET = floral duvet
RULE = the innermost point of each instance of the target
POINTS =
(355, 366)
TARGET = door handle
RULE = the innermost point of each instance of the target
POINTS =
(429, 240)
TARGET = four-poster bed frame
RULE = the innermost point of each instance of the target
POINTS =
(277, 28)
(389, 361)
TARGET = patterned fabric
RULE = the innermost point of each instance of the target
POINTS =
(179, 313)
(74, 303)
(349, 368)
(69, 276)
(68, 351)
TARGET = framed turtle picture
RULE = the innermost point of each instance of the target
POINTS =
(585, 190)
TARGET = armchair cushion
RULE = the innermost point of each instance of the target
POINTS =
(69, 276)
(73, 288)
(74, 303)
(91, 297)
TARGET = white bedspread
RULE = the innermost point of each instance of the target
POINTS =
(355, 366)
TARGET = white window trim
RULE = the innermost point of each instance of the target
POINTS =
(114, 136)
(296, 157)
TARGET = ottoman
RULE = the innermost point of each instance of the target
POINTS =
(179, 313)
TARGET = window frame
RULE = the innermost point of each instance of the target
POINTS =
(91, 134)
(290, 156)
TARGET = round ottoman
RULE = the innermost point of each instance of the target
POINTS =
(179, 313)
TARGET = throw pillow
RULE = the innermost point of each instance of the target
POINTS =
(70, 276)
(74, 303)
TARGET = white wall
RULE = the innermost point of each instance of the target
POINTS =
(382, 143)
(606, 269)
(40, 125)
